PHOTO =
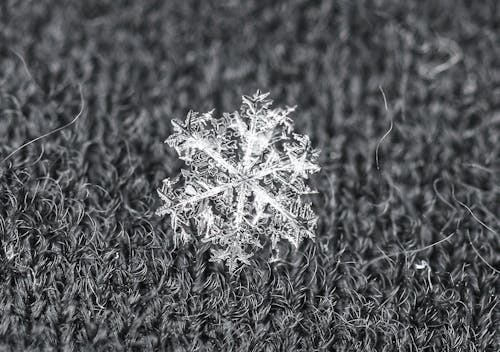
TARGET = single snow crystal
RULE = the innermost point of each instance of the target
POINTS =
(244, 182)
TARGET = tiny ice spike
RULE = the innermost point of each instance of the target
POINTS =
(245, 182)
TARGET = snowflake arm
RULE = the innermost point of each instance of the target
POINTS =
(200, 144)
(283, 211)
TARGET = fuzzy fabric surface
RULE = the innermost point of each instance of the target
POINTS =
(401, 96)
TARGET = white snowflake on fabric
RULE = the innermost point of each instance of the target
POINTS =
(245, 182)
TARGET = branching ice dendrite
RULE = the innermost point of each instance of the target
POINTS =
(245, 180)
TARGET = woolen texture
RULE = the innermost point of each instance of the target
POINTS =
(407, 251)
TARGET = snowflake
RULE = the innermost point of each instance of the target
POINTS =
(245, 182)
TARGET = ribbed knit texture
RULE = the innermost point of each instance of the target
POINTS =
(86, 265)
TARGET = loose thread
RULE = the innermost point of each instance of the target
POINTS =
(53, 131)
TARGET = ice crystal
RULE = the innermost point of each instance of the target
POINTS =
(245, 182)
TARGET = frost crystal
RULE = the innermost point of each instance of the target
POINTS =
(245, 182)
